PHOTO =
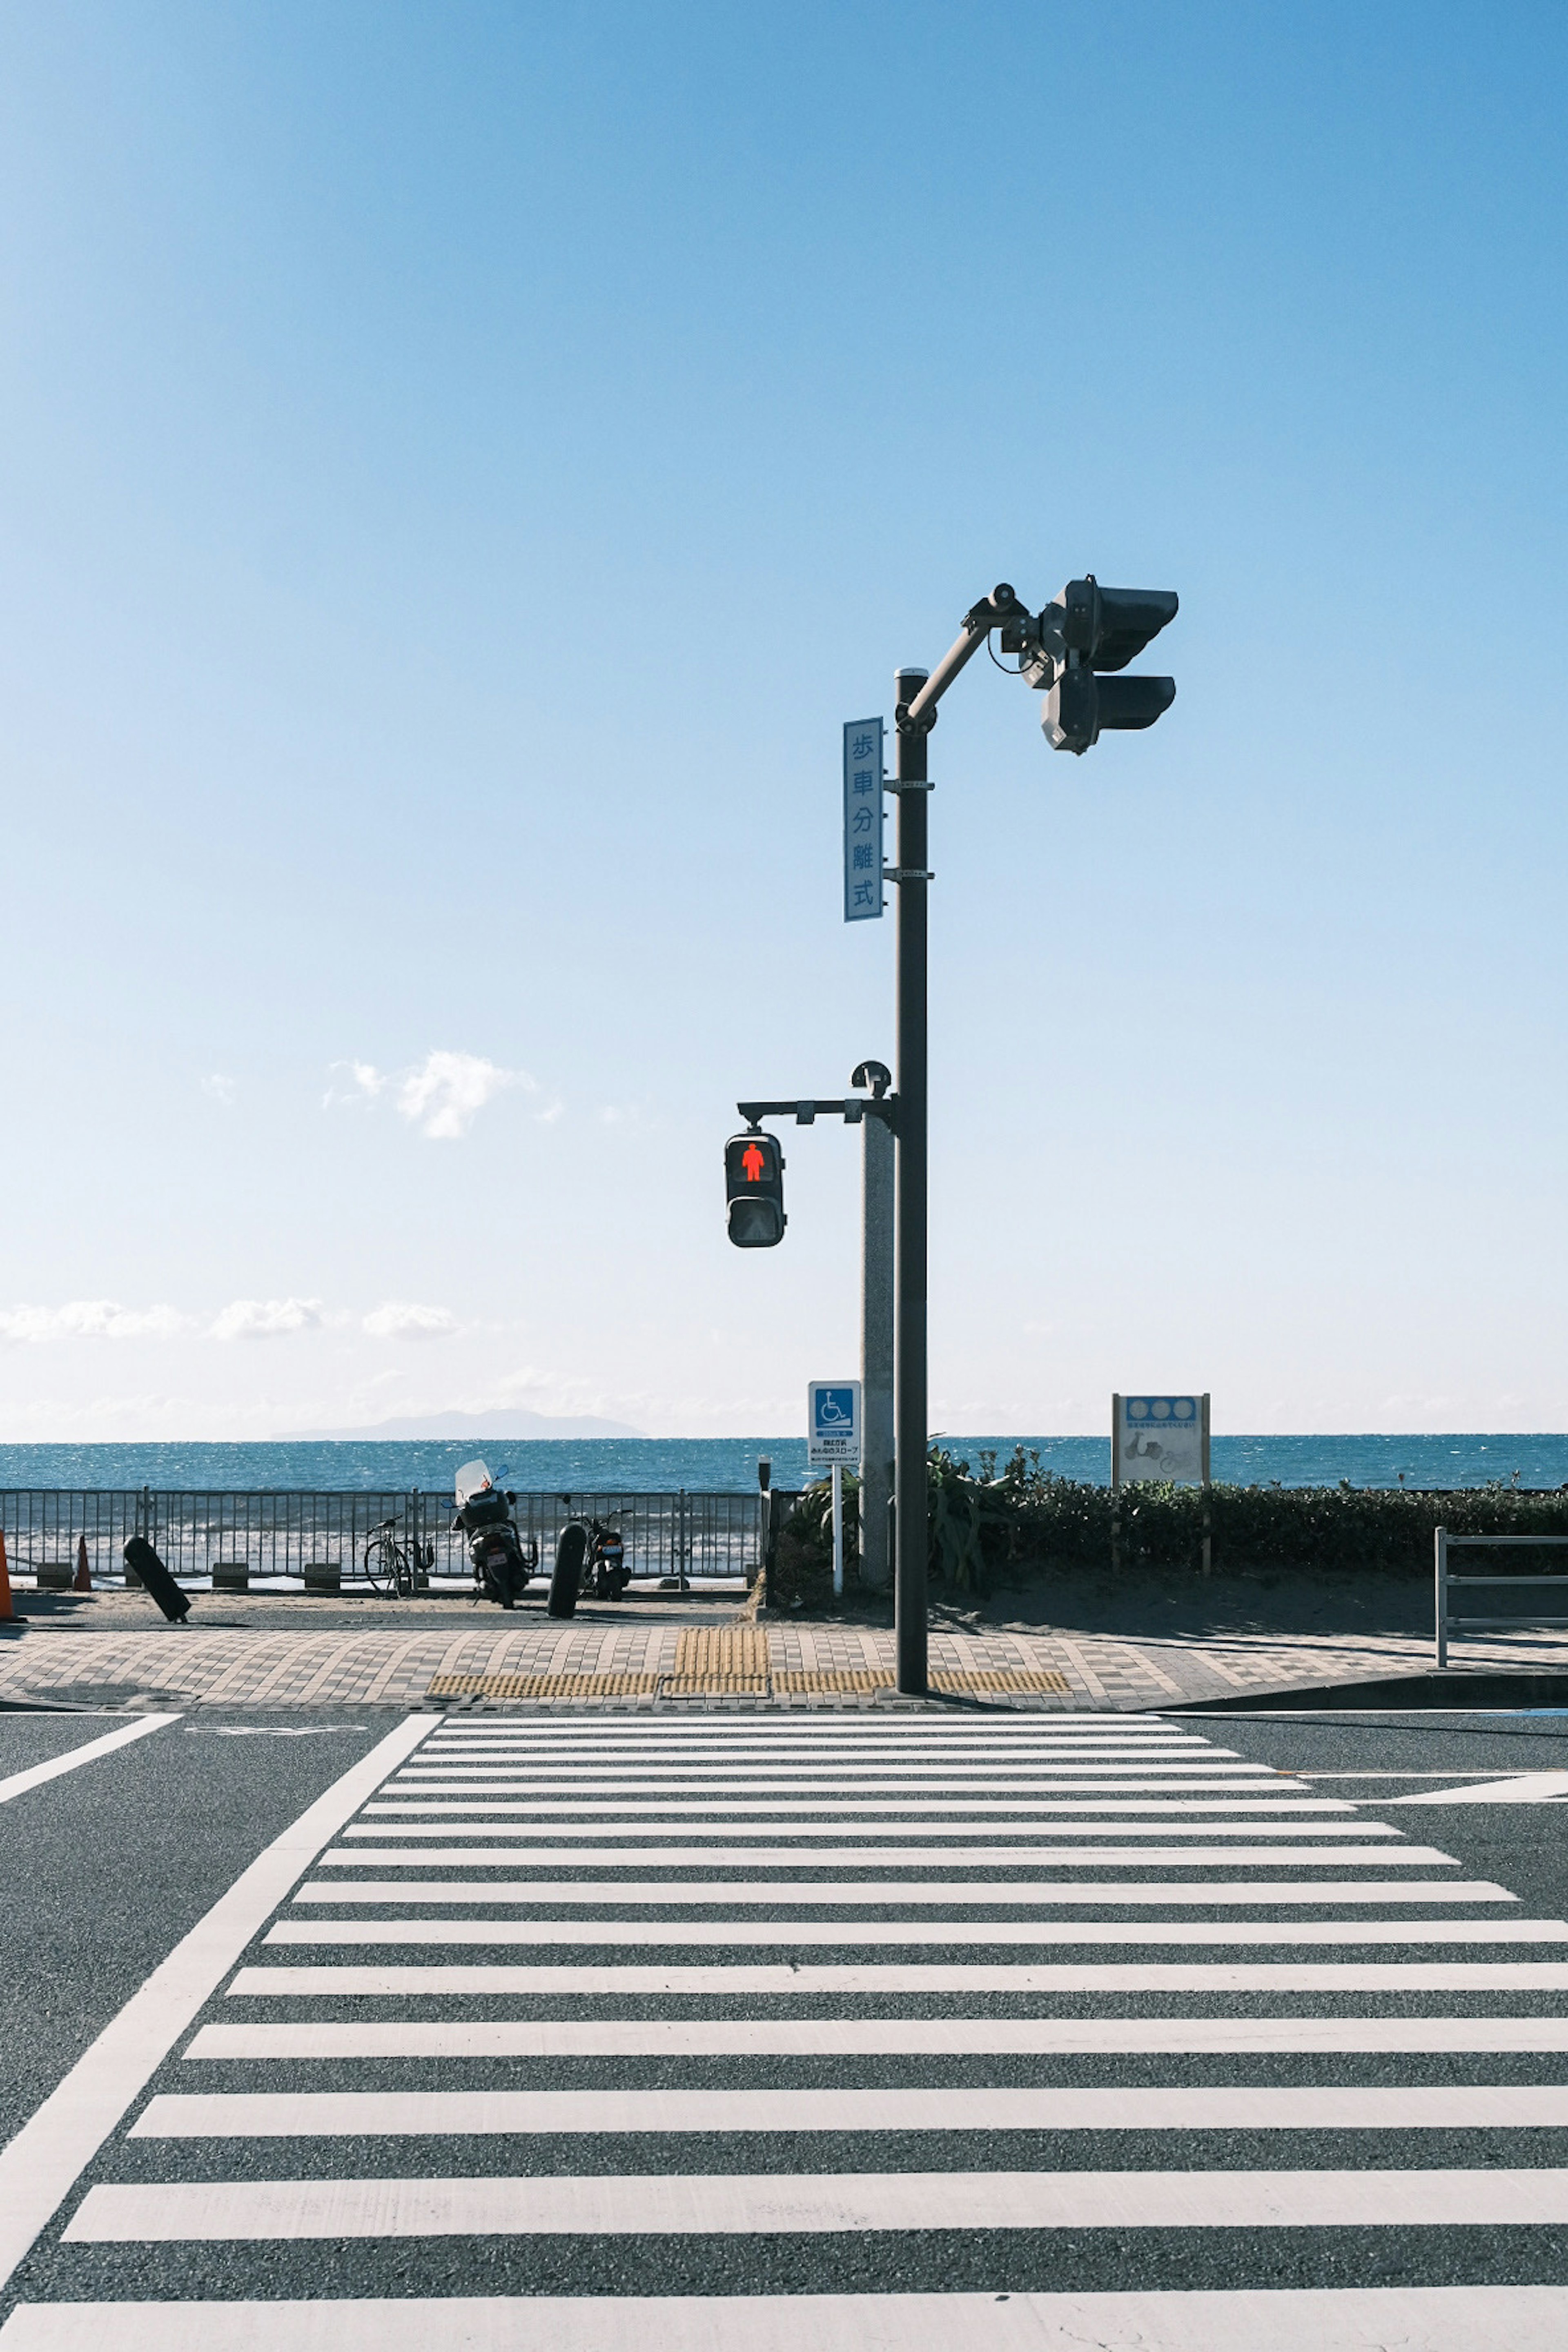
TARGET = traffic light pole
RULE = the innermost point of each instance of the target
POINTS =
(909, 1419)
(877, 1117)
(1085, 631)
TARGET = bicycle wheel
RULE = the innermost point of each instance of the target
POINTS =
(383, 1564)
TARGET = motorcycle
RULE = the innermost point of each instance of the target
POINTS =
(606, 1561)
(592, 1556)
(501, 1567)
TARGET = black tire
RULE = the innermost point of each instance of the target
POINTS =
(570, 1553)
(381, 1568)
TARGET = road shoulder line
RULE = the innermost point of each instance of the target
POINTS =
(18, 1783)
(42, 2164)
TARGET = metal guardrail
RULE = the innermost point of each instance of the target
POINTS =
(1446, 1620)
(275, 1535)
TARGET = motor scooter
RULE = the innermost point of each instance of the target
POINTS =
(606, 1561)
(500, 1565)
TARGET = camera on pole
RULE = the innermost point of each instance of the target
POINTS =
(754, 1187)
(1084, 632)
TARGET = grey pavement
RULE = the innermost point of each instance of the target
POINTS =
(109, 1648)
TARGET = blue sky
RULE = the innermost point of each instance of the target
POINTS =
(460, 467)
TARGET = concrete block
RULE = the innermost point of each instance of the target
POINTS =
(55, 1575)
(323, 1576)
(231, 1576)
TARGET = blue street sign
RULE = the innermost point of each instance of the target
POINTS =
(862, 819)
(832, 1422)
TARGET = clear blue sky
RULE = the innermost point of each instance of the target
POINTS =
(462, 465)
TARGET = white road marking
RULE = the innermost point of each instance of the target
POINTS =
(453, 1980)
(1216, 2320)
(41, 2164)
(914, 1733)
(912, 1807)
(1286, 2319)
(1524, 1788)
(286, 2115)
(802, 1780)
(1011, 1893)
(17, 1784)
(877, 2037)
(726, 2204)
(919, 1835)
(868, 1934)
(272, 1730)
(456, 1755)
(409, 1854)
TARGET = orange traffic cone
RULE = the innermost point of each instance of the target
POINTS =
(83, 1573)
(6, 1612)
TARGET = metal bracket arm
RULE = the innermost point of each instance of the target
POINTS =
(1001, 604)
(908, 874)
(806, 1112)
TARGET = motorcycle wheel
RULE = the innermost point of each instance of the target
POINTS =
(569, 1556)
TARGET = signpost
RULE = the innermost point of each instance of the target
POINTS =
(1159, 1440)
(862, 820)
(832, 1439)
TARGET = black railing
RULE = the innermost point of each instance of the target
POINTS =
(273, 1537)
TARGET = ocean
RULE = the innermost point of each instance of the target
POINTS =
(648, 1466)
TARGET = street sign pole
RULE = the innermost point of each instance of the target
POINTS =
(910, 1343)
(838, 1476)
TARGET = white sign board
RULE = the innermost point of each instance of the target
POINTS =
(862, 819)
(1159, 1439)
(832, 1422)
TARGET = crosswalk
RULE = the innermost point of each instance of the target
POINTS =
(612, 2033)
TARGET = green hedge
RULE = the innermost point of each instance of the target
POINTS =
(989, 1521)
(991, 1525)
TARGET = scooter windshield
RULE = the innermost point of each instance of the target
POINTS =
(473, 1478)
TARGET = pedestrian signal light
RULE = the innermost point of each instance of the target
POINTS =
(754, 1188)
(1085, 631)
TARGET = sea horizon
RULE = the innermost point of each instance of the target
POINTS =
(605, 1465)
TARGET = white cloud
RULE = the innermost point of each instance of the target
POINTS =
(442, 1096)
(364, 1082)
(91, 1318)
(220, 1089)
(399, 1318)
(267, 1318)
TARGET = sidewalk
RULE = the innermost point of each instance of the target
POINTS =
(401, 1654)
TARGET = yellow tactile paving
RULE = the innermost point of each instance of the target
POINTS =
(505, 1687)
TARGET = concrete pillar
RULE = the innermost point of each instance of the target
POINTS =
(877, 1353)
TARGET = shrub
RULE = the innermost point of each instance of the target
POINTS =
(1023, 1517)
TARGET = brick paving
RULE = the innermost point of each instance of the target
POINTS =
(675, 1655)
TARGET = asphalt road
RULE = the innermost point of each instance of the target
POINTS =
(105, 1867)
(1114, 2030)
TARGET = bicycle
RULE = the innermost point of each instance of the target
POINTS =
(394, 1569)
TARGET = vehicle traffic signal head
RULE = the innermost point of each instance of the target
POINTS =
(1085, 631)
(754, 1188)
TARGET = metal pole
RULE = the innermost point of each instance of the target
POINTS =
(876, 1352)
(1442, 1597)
(910, 1404)
(839, 1531)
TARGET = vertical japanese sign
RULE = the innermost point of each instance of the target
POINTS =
(862, 819)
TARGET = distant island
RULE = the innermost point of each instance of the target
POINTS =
(511, 1424)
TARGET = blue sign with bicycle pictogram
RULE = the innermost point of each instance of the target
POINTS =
(832, 1422)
